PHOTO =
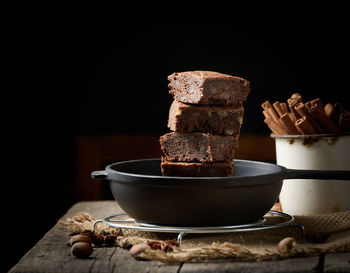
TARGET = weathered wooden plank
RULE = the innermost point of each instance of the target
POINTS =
(300, 265)
(100, 209)
(337, 263)
(51, 253)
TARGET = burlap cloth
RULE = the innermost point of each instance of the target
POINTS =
(247, 246)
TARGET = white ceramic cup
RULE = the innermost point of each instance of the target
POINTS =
(318, 152)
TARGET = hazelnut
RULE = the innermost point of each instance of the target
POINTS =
(109, 240)
(137, 249)
(79, 238)
(81, 249)
(98, 239)
(286, 245)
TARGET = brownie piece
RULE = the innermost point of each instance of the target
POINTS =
(207, 87)
(193, 169)
(217, 120)
(198, 147)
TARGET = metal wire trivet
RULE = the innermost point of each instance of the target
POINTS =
(123, 221)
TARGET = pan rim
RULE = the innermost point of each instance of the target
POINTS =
(127, 177)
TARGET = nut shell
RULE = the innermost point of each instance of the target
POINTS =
(81, 249)
(286, 245)
(137, 249)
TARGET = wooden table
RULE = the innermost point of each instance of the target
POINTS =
(51, 254)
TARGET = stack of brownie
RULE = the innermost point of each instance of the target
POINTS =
(205, 117)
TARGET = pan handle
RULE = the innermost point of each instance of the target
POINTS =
(318, 174)
(99, 175)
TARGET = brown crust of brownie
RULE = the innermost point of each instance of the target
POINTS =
(198, 147)
(208, 88)
(217, 120)
(192, 169)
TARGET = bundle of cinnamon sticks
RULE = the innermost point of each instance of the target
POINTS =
(296, 117)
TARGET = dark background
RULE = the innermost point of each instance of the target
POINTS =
(82, 70)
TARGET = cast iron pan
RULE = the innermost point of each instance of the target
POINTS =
(148, 197)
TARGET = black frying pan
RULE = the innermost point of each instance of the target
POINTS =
(148, 197)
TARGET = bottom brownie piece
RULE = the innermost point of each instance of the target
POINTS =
(190, 169)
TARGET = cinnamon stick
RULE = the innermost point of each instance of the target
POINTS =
(306, 118)
(268, 120)
(284, 107)
(269, 109)
(266, 104)
(274, 127)
(271, 113)
(274, 115)
(288, 124)
(297, 97)
(333, 111)
(338, 108)
(316, 111)
(279, 108)
(291, 103)
(308, 105)
(303, 111)
(266, 114)
(344, 121)
(329, 110)
(304, 126)
(292, 117)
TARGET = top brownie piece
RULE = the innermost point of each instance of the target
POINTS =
(208, 88)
